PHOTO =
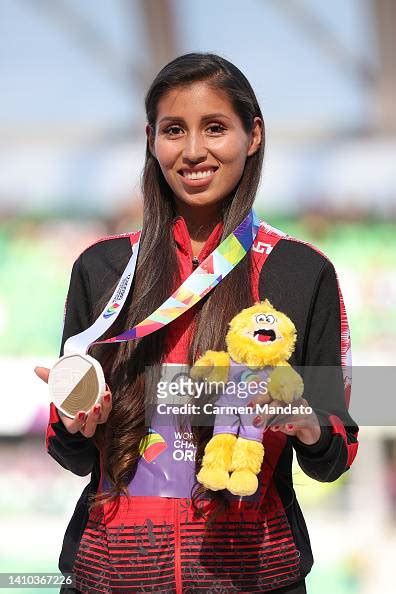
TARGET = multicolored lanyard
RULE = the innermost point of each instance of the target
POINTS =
(200, 282)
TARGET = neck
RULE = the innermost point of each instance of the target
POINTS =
(200, 221)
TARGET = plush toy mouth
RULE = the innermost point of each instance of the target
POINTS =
(264, 335)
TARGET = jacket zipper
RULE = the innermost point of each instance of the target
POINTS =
(178, 577)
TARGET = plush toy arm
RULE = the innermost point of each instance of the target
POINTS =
(285, 384)
(212, 366)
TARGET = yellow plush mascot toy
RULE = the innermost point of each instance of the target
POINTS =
(260, 340)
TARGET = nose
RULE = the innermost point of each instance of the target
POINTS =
(194, 149)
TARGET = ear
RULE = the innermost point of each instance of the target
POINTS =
(255, 136)
(150, 139)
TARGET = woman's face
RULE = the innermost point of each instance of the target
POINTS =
(200, 144)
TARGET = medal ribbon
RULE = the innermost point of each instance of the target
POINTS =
(200, 282)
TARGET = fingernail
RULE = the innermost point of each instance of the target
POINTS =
(289, 427)
(106, 397)
(96, 409)
(81, 415)
(257, 421)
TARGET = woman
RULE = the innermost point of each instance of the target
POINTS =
(205, 146)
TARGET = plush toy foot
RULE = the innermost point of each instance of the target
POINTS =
(216, 463)
(213, 479)
(246, 462)
(242, 482)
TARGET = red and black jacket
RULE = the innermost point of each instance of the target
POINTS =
(156, 544)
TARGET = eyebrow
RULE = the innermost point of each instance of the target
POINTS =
(210, 116)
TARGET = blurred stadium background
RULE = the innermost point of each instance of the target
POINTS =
(73, 78)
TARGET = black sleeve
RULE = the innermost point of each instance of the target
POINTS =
(73, 451)
(324, 387)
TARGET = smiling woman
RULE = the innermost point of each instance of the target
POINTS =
(201, 147)
(144, 523)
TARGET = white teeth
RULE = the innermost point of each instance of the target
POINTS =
(198, 174)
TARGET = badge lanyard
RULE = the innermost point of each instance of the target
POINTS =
(76, 381)
(200, 282)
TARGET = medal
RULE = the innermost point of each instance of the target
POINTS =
(76, 382)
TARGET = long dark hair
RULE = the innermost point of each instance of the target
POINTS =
(126, 364)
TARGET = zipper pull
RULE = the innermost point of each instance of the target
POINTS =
(195, 262)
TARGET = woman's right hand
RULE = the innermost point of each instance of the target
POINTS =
(86, 423)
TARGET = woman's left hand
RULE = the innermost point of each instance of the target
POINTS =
(303, 425)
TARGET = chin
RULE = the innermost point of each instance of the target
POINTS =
(198, 200)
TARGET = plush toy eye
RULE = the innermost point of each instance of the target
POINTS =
(261, 318)
(270, 319)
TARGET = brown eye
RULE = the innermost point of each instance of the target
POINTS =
(172, 130)
(216, 128)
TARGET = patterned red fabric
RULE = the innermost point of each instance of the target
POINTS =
(338, 427)
(154, 544)
(53, 418)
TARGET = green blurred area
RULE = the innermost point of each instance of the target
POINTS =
(34, 276)
(33, 288)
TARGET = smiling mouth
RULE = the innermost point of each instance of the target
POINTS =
(264, 335)
(197, 175)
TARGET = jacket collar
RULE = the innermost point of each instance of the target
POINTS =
(183, 241)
